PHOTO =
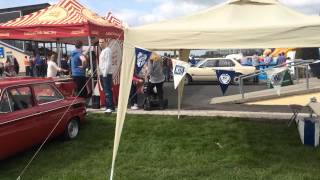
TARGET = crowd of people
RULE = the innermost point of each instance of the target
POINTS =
(10, 67)
(35, 66)
(156, 72)
(266, 59)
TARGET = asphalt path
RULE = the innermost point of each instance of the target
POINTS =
(197, 96)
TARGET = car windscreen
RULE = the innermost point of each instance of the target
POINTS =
(199, 63)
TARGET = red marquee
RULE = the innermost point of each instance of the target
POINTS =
(66, 21)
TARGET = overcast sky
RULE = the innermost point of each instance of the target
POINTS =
(138, 12)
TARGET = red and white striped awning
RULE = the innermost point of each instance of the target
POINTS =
(66, 20)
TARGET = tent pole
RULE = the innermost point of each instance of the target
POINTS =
(45, 50)
(183, 56)
(65, 47)
(91, 64)
(59, 52)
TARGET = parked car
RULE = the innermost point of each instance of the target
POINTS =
(29, 110)
(206, 70)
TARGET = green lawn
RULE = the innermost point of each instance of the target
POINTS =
(157, 147)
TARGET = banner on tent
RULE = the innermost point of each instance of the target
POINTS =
(180, 69)
(142, 57)
(225, 79)
(275, 76)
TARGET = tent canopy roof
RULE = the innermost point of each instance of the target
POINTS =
(66, 19)
(238, 16)
(223, 25)
(254, 1)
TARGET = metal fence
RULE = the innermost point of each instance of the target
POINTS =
(296, 64)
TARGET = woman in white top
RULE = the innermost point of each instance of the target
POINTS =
(53, 68)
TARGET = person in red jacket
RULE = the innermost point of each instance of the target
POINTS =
(137, 82)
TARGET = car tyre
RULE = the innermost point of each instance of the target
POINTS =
(72, 129)
(187, 79)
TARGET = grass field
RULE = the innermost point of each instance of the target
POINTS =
(164, 148)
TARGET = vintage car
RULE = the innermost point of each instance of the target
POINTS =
(206, 70)
(30, 108)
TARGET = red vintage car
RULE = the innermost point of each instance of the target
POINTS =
(30, 108)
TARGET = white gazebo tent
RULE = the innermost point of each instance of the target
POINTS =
(234, 24)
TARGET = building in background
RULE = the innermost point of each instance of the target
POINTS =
(17, 48)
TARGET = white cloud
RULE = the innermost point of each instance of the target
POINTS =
(299, 2)
(168, 9)
(304, 6)
(165, 10)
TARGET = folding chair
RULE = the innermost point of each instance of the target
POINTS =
(296, 109)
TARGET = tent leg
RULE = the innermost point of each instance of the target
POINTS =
(184, 56)
(59, 52)
(91, 63)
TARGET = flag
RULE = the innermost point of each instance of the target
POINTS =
(142, 56)
(112, 19)
(225, 79)
(180, 69)
(275, 76)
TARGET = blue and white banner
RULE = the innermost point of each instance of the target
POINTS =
(180, 69)
(142, 57)
(275, 76)
(309, 131)
(225, 79)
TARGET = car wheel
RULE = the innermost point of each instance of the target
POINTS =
(187, 79)
(72, 129)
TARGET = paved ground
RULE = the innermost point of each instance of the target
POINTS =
(196, 102)
(198, 97)
(276, 116)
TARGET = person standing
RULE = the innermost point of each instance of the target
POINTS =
(78, 64)
(136, 82)
(156, 76)
(267, 60)
(9, 69)
(281, 59)
(106, 70)
(38, 65)
(1, 68)
(27, 65)
(16, 65)
(32, 64)
(256, 64)
(64, 65)
(53, 68)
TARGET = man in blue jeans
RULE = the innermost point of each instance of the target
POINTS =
(105, 71)
(78, 66)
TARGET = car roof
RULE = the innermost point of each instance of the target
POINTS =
(217, 59)
(5, 82)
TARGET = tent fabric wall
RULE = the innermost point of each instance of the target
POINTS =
(127, 68)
